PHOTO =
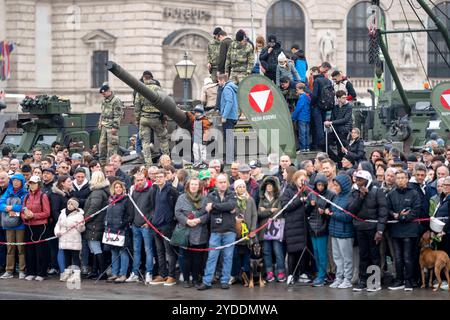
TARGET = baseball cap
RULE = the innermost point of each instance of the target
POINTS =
(363, 174)
(76, 156)
(34, 179)
(51, 170)
(411, 158)
(244, 168)
(204, 174)
(428, 150)
(104, 88)
(255, 164)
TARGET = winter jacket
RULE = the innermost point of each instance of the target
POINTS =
(250, 215)
(118, 218)
(318, 223)
(295, 228)
(81, 192)
(356, 150)
(223, 52)
(319, 82)
(341, 225)
(163, 201)
(229, 101)
(302, 68)
(97, 200)
(444, 212)
(268, 205)
(142, 199)
(373, 206)
(221, 209)
(183, 208)
(341, 117)
(302, 110)
(209, 94)
(289, 72)
(397, 200)
(271, 59)
(58, 201)
(431, 189)
(14, 198)
(38, 203)
(71, 227)
(346, 86)
(47, 187)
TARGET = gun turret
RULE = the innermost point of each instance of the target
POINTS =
(160, 100)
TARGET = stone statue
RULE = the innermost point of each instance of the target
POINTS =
(407, 49)
(326, 47)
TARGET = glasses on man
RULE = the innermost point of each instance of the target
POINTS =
(64, 167)
(446, 184)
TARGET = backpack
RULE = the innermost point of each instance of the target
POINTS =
(327, 97)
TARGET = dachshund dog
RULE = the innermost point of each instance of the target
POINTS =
(256, 267)
(433, 260)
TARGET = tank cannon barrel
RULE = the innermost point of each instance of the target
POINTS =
(160, 100)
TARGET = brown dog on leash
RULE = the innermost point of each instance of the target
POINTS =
(256, 267)
(433, 260)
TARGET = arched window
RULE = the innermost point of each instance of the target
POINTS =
(178, 90)
(286, 20)
(358, 42)
(436, 65)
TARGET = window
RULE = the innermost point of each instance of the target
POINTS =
(436, 65)
(178, 90)
(358, 42)
(99, 72)
(286, 20)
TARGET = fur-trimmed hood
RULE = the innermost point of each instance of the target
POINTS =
(57, 190)
(266, 181)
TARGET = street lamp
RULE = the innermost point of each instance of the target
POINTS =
(185, 69)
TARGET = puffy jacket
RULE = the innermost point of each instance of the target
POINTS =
(397, 200)
(18, 196)
(141, 196)
(81, 192)
(302, 110)
(290, 72)
(163, 201)
(268, 205)
(222, 209)
(71, 228)
(318, 223)
(373, 206)
(302, 68)
(228, 101)
(183, 208)
(38, 203)
(341, 225)
(271, 59)
(295, 229)
(118, 218)
(96, 201)
(356, 150)
(341, 116)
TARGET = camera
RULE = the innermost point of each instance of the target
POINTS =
(218, 220)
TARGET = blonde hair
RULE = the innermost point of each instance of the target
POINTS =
(113, 186)
(98, 180)
(298, 174)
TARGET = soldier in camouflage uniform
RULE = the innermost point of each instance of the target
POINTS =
(109, 124)
(147, 118)
(213, 54)
(240, 58)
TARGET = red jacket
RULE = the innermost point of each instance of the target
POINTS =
(41, 212)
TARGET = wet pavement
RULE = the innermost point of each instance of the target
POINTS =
(52, 289)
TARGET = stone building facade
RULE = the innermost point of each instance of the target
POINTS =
(61, 44)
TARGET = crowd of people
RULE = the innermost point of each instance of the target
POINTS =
(341, 212)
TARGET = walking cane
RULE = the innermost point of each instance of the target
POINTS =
(326, 138)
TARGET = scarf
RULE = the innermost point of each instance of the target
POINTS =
(196, 200)
(242, 202)
(115, 197)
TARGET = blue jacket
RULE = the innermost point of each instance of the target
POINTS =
(229, 102)
(302, 110)
(21, 193)
(302, 67)
(341, 224)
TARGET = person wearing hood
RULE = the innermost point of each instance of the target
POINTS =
(269, 205)
(11, 204)
(270, 55)
(368, 202)
(404, 206)
(97, 200)
(285, 68)
(140, 193)
(318, 226)
(295, 228)
(69, 227)
(245, 211)
(229, 113)
(342, 233)
(209, 94)
(35, 214)
(240, 58)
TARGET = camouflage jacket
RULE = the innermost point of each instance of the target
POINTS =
(213, 53)
(240, 58)
(143, 107)
(112, 112)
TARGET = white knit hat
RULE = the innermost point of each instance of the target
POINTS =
(282, 57)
